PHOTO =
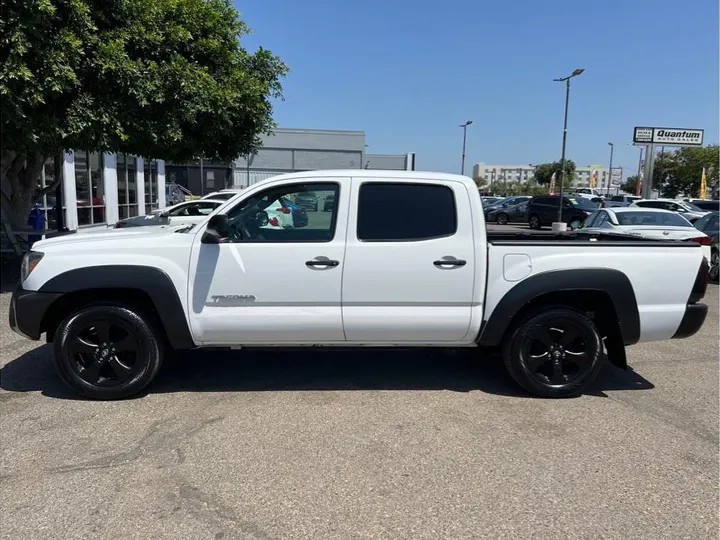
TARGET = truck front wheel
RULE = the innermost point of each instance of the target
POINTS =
(556, 352)
(107, 351)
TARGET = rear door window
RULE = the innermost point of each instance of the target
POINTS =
(543, 200)
(390, 212)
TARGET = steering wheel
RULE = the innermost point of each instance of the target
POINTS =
(234, 235)
(246, 227)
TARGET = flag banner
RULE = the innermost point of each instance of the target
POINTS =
(594, 179)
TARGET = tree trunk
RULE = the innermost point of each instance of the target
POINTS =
(20, 174)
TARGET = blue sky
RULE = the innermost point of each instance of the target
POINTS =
(409, 72)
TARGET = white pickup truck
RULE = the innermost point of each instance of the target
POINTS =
(402, 259)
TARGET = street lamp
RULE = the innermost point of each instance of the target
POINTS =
(612, 147)
(566, 80)
(464, 126)
(639, 172)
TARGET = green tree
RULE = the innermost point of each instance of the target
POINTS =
(158, 78)
(480, 181)
(685, 173)
(544, 172)
(630, 185)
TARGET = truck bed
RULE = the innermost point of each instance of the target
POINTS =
(578, 238)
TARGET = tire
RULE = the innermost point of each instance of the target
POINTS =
(123, 367)
(714, 261)
(545, 362)
(534, 222)
(502, 219)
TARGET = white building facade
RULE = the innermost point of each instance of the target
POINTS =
(526, 173)
(98, 189)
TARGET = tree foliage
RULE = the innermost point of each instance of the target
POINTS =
(480, 181)
(544, 172)
(159, 78)
(680, 172)
(630, 185)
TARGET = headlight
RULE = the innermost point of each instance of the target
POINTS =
(29, 262)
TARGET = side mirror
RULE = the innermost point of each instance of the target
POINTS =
(217, 231)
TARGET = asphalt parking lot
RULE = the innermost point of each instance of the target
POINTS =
(362, 444)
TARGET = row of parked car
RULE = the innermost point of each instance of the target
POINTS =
(670, 219)
(282, 212)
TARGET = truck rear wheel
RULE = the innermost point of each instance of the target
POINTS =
(107, 351)
(556, 352)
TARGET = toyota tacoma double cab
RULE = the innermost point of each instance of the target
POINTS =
(363, 274)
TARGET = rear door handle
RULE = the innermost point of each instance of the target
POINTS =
(450, 262)
(321, 262)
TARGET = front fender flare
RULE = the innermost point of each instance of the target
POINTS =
(152, 281)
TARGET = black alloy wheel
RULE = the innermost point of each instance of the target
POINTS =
(534, 222)
(107, 352)
(502, 219)
(554, 353)
(714, 261)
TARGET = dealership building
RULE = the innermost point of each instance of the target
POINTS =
(99, 189)
(285, 151)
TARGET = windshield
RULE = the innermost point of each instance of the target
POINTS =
(584, 204)
(224, 196)
(652, 219)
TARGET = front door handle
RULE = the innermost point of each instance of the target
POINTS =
(449, 262)
(321, 262)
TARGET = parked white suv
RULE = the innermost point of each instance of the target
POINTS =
(688, 210)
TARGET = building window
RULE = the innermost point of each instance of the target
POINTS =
(89, 187)
(151, 186)
(127, 186)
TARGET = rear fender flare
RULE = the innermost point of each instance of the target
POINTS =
(613, 282)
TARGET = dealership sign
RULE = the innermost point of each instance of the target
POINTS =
(668, 136)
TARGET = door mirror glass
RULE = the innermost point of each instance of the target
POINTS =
(217, 231)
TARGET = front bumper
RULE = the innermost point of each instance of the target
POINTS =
(692, 321)
(27, 311)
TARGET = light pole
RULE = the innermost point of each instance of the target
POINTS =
(639, 172)
(612, 147)
(464, 126)
(566, 80)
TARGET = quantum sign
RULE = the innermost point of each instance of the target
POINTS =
(668, 136)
